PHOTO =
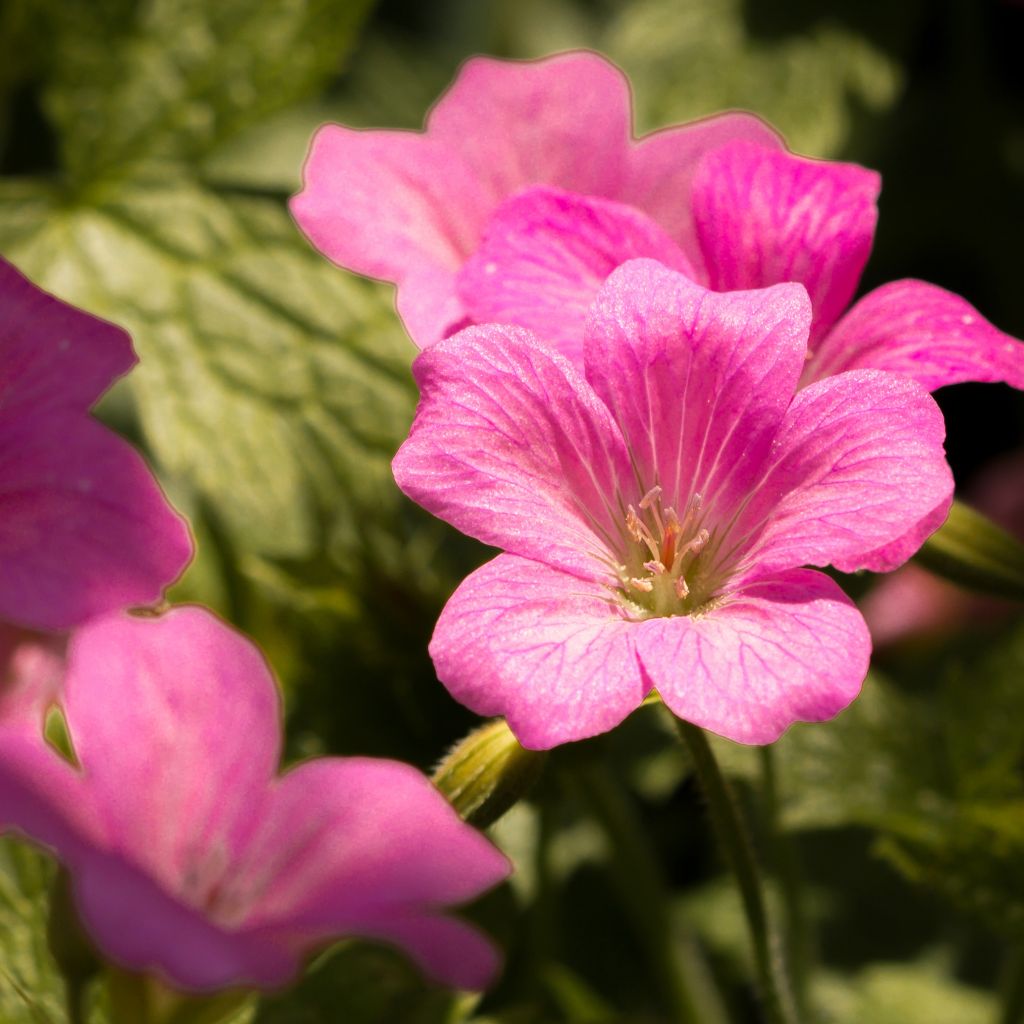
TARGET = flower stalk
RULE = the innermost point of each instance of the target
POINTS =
(734, 840)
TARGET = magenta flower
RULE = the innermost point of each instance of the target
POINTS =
(191, 858)
(412, 207)
(84, 527)
(656, 510)
(526, 190)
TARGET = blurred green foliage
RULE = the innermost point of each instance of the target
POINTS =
(147, 148)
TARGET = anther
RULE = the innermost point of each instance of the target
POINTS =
(650, 497)
(638, 584)
(682, 590)
(656, 568)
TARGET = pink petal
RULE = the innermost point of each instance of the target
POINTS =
(789, 648)
(549, 651)
(765, 216)
(545, 254)
(84, 528)
(52, 355)
(894, 553)
(31, 673)
(175, 721)
(698, 381)
(921, 330)
(564, 120)
(356, 846)
(140, 926)
(859, 462)
(662, 167)
(43, 797)
(511, 446)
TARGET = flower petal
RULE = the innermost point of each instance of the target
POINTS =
(789, 648)
(662, 167)
(544, 255)
(511, 446)
(84, 528)
(550, 652)
(175, 721)
(52, 355)
(921, 330)
(859, 462)
(358, 846)
(764, 216)
(142, 927)
(563, 120)
(698, 381)
(31, 674)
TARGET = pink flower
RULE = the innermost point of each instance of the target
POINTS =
(527, 189)
(84, 528)
(656, 509)
(412, 207)
(190, 857)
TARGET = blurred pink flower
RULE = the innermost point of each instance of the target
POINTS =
(84, 527)
(913, 603)
(656, 509)
(412, 207)
(191, 858)
(527, 189)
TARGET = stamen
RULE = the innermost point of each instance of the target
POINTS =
(681, 588)
(633, 524)
(645, 585)
(657, 568)
(696, 545)
(651, 496)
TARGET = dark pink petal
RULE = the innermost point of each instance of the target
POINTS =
(921, 330)
(893, 554)
(564, 121)
(698, 381)
(52, 355)
(140, 926)
(858, 463)
(549, 651)
(765, 216)
(355, 846)
(511, 446)
(789, 648)
(84, 528)
(662, 167)
(31, 673)
(544, 255)
(175, 722)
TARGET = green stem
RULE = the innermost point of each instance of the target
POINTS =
(75, 992)
(684, 976)
(800, 945)
(1012, 1010)
(732, 836)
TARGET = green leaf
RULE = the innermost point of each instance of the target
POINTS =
(691, 58)
(172, 78)
(271, 384)
(971, 550)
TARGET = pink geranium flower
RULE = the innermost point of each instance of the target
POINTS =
(656, 510)
(84, 527)
(413, 207)
(527, 189)
(190, 857)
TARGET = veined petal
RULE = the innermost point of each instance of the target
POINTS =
(697, 381)
(84, 528)
(511, 446)
(549, 651)
(358, 846)
(544, 255)
(788, 648)
(921, 330)
(52, 355)
(858, 463)
(764, 216)
(564, 120)
(199, 758)
(662, 167)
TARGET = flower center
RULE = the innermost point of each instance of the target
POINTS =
(662, 574)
